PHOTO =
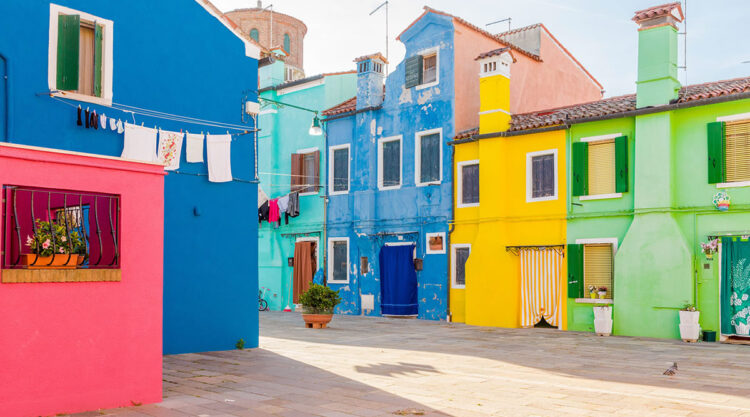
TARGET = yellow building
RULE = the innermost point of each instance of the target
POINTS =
(507, 247)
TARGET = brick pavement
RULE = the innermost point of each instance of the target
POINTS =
(378, 367)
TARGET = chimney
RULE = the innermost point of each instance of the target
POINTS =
(657, 54)
(370, 78)
(494, 90)
(260, 4)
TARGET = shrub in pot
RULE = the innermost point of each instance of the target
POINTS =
(689, 326)
(317, 305)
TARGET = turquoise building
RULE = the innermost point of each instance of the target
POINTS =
(291, 159)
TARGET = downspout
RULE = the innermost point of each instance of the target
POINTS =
(324, 243)
(6, 115)
(451, 227)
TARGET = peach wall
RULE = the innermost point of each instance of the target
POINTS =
(70, 347)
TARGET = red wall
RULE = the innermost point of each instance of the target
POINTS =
(69, 347)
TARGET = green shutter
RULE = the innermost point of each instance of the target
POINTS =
(580, 155)
(575, 271)
(68, 33)
(98, 37)
(621, 164)
(716, 149)
(413, 70)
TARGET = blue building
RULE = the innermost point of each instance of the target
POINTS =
(175, 65)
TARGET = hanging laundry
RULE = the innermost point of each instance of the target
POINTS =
(218, 149)
(87, 117)
(140, 143)
(94, 120)
(120, 127)
(263, 212)
(79, 122)
(103, 121)
(262, 197)
(194, 151)
(170, 149)
(273, 212)
(112, 124)
(292, 210)
(283, 203)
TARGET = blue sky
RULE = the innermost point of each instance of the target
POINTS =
(599, 33)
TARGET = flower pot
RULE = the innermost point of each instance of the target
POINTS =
(592, 295)
(723, 206)
(316, 321)
(689, 332)
(57, 261)
(603, 295)
(689, 317)
(742, 329)
(709, 256)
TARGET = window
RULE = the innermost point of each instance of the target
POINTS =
(468, 183)
(338, 173)
(600, 167)
(364, 66)
(429, 68)
(541, 176)
(729, 151)
(305, 171)
(428, 157)
(591, 263)
(254, 34)
(338, 260)
(422, 69)
(389, 163)
(435, 243)
(80, 55)
(461, 252)
(287, 43)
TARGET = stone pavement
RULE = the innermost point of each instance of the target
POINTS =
(385, 367)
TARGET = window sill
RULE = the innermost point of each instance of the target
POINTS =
(339, 192)
(458, 287)
(599, 196)
(330, 282)
(425, 184)
(428, 85)
(398, 187)
(309, 193)
(83, 97)
(595, 300)
(535, 200)
(17, 276)
(467, 205)
(733, 184)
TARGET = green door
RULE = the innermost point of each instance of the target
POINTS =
(735, 286)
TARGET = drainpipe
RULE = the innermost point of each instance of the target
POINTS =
(6, 135)
(324, 126)
(448, 315)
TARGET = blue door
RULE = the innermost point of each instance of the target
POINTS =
(398, 281)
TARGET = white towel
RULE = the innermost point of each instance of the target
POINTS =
(262, 196)
(218, 148)
(112, 124)
(170, 149)
(140, 143)
(194, 151)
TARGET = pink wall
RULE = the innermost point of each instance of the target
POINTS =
(555, 81)
(69, 347)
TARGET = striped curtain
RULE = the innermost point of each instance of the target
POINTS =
(540, 286)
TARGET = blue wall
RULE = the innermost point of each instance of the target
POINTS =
(365, 211)
(171, 56)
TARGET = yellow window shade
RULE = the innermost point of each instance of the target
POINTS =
(601, 167)
(738, 151)
(597, 266)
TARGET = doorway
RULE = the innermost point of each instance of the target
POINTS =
(304, 267)
(734, 291)
(398, 280)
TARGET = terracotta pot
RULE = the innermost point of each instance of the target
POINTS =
(317, 321)
(52, 262)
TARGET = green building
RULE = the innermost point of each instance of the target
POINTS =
(291, 159)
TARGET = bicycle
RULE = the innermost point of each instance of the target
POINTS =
(262, 304)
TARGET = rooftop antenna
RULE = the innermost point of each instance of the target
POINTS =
(684, 41)
(385, 3)
(270, 33)
(507, 19)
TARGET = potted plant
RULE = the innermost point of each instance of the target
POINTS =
(592, 291)
(50, 247)
(602, 292)
(689, 326)
(709, 248)
(603, 320)
(317, 305)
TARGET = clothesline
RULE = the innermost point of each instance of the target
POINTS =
(205, 175)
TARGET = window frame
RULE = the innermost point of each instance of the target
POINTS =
(427, 249)
(733, 118)
(304, 152)
(460, 184)
(418, 157)
(381, 141)
(529, 176)
(590, 139)
(455, 246)
(597, 241)
(331, 170)
(427, 52)
(107, 58)
(331, 241)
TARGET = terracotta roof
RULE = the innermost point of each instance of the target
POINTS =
(466, 134)
(343, 107)
(616, 105)
(376, 55)
(494, 52)
(659, 11)
(517, 30)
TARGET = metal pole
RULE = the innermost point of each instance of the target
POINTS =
(385, 3)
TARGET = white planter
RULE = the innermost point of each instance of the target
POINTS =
(689, 332)
(689, 317)
(603, 320)
(742, 329)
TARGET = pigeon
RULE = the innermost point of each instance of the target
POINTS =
(671, 370)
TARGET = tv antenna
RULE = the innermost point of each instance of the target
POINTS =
(385, 3)
(507, 19)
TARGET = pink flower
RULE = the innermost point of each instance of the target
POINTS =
(62, 250)
(29, 240)
(64, 239)
(46, 244)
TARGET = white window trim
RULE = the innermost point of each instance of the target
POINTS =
(306, 151)
(418, 157)
(453, 264)
(331, 240)
(460, 184)
(601, 137)
(599, 196)
(733, 118)
(429, 251)
(331, 150)
(430, 51)
(317, 246)
(733, 184)
(381, 141)
(529, 171)
(107, 66)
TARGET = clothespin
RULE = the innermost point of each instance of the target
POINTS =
(141, 124)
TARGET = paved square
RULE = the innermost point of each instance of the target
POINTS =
(385, 367)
